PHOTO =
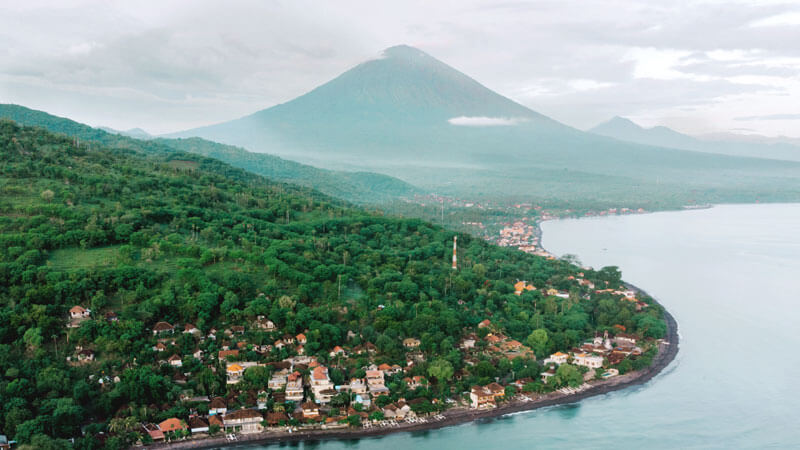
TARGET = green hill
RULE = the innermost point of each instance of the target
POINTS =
(148, 241)
(355, 186)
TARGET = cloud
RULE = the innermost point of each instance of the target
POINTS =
(485, 121)
(770, 117)
(786, 19)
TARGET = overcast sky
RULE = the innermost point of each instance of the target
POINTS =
(697, 66)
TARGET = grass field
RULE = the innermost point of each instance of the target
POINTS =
(78, 258)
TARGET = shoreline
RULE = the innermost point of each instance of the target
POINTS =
(668, 350)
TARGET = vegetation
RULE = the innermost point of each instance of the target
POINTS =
(179, 238)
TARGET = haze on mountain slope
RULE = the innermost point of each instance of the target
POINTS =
(358, 187)
(627, 130)
(411, 116)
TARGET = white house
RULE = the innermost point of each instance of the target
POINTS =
(590, 361)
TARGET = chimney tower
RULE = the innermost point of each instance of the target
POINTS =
(455, 260)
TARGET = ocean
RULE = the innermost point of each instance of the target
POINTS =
(729, 275)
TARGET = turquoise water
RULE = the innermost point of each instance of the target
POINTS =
(730, 277)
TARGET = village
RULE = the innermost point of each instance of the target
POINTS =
(297, 392)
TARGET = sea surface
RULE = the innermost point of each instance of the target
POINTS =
(731, 277)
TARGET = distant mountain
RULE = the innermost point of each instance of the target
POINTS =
(359, 187)
(409, 115)
(136, 133)
(728, 144)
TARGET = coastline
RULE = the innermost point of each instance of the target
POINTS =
(668, 350)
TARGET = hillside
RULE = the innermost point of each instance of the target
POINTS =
(627, 130)
(358, 187)
(411, 116)
(136, 285)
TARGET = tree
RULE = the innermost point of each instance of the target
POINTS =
(47, 195)
(568, 375)
(441, 369)
(537, 340)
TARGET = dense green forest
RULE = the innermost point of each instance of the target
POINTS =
(140, 237)
(357, 187)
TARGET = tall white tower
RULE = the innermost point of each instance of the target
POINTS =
(455, 247)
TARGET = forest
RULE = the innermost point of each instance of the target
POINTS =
(140, 237)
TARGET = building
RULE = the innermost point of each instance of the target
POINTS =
(234, 373)
(163, 328)
(278, 381)
(320, 380)
(586, 360)
(175, 361)
(172, 424)
(244, 421)
(294, 387)
(411, 342)
(198, 425)
(557, 358)
(310, 410)
(217, 406)
(79, 312)
(481, 397)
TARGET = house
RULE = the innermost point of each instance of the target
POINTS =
(85, 355)
(4, 444)
(190, 329)
(159, 347)
(216, 420)
(521, 286)
(276, 418)
(376, 383)
(546, 375)
(294, 387)
(162, 328)
(79, 312)
(223, 354)
(468, 342)
(415, 381)
(411, 342)
(587, 360)
(244, 421)
(237, 329)
(485, 323)
(320, 380)
(625, 340)
(198, 425)
(278, 381)
(337, 351)
(325, 396)
(198, 354)
(403, 410)
(153, 431)
(111, 316)
(217, 406)
(265, 324)
(234, 373)
(261, 399)
(480, 397)
(389, 411)
(557, 358)
(172, 424)
(310, 410)
(497, 390)
(358, 386)
(175, 361)
(301, 338)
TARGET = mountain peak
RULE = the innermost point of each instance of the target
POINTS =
(403, 51)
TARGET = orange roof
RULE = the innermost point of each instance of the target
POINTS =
(223, 353)
(300, 336)
(235, 368)
(77, 309)
(385, 366)
(320, 373)
(172, 424)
